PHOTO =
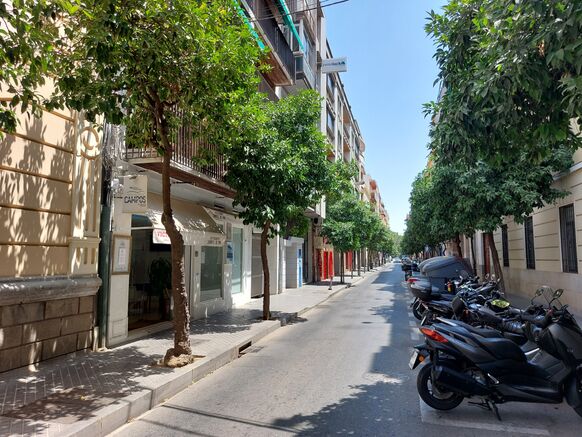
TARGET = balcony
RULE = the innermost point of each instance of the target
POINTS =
(347, 133)
(304, 72)
(183, 167)
(306, 10)
(281, 56)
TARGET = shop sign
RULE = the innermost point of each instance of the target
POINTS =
(135, 194)
(215, 241)
(160, 236)
(334, 65)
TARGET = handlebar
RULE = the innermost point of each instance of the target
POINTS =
(540, 321)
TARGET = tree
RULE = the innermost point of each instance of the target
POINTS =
(283, 168)
(460, 199)
(27, 33)
(380, 239)
(151, 67)
(340, 225)
(510, 73)
(503, 123)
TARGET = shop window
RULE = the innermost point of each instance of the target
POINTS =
(211, 263)
(568, 239)
(530, 255)
(505, 245)
(150, 277)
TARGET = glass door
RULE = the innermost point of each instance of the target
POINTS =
(237, 243)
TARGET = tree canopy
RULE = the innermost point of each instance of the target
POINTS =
(510, 73)
(281, 170)
(144, 64)
(507, 118)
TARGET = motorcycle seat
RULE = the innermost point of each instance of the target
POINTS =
(483, 332)
(503, 349)
(442, 296)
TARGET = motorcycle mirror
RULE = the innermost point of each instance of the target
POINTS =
(558, 293)
(464, 274)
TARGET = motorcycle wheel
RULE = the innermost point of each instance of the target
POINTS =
(416, 312)
(431, 395)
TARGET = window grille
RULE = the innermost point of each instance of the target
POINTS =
(568, 237)
(530, 255)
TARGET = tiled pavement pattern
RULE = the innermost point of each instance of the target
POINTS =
(65, 391)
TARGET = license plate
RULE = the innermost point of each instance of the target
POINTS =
(413, 360)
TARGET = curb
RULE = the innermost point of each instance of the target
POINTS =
(114, 416)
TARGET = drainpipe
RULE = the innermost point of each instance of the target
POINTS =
(104, 254)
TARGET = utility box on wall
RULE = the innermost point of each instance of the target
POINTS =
(294, 262)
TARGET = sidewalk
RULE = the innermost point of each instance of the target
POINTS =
(92, 394)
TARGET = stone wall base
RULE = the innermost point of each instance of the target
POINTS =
(42, 325)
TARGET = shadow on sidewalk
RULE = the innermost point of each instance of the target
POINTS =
(76, 387)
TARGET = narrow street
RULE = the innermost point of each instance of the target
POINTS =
(340, 370)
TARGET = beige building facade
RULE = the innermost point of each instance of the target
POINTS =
(544, 250)
(50, 187)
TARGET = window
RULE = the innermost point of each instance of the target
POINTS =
(330, 123)
(568, 239)
(505, 245)
(211, 273)
(530, 255)
(330, 84)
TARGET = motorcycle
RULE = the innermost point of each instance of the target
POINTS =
(428, 303)
(461, 362)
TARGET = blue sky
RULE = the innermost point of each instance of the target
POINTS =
(390, 75)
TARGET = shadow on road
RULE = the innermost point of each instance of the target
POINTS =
(375, 408)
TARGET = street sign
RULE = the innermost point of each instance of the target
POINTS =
(334, 65)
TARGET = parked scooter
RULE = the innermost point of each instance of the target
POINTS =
(409, 267)
(462, 363)
(439, 303)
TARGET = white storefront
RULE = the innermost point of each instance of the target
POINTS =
(217, 264)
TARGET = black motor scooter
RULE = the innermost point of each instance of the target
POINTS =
(461, 363)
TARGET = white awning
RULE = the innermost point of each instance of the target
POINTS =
(194, 223)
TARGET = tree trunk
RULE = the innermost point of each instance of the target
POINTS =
(266, 278)
(342, 268)
(359, 261)
(181, 313)
(496, 264)
(473, 254)
(458, 243)
(352, 265)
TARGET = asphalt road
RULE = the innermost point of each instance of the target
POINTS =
(341, 370)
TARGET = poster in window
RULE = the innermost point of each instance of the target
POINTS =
(121, 254)
(229, 252)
